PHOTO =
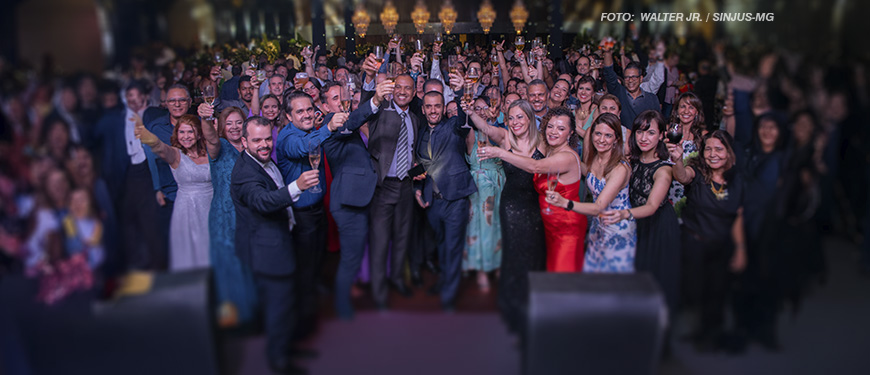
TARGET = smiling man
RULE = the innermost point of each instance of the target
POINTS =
(295, 142)
(392, 130)
(444, 193)
(632, 98)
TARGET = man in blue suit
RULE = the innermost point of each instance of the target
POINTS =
(264, 220)
(441, 149)
(353, 186)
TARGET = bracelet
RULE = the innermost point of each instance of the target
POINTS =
(570, 206)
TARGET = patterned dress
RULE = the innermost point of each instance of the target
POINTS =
(234, 281)
(610, 248)
(677, 193)
(483, 238)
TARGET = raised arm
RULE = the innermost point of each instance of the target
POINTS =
(168, 153)
(682, 173)
(502, 65)
(561, 162)
(212, 139)
(496, 134)
(255, 100)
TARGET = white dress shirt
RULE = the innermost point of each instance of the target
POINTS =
(134, 145)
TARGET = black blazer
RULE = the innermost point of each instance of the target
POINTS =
(111, 141)
(446, 165)
(384, 133)
(353, 172)
(263, 239)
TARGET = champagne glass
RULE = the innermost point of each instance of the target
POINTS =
(346, 96)
(379, 56)
(209, 96)
(452, 61)
(470, 80)
(253, 63)
(675, 133)
(482, 141)
(261, 76)
(302, 78)
(218, 58)
(494, 59)
(552, 181)
(520, 43)
(314, 159)
(439, 42)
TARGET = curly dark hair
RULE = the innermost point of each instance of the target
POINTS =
(573, 138)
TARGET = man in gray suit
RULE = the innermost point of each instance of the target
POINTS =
(392, 130)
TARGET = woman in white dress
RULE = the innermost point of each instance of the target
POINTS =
(188, 159)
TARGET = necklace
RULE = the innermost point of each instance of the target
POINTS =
(721, 193)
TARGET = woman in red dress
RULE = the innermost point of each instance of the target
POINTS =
(565, 230)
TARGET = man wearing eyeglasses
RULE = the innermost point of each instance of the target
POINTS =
(177, 103)
(631, 97)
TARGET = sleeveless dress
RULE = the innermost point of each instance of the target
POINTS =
(483, 239)
(522, 233)
(658, 236)
(188, 228)
(610, 248)
(565, 231)
(234, 282)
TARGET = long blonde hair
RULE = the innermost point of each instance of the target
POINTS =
(616, 154)
(534, 133)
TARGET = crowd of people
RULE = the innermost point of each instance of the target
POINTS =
(714, 168)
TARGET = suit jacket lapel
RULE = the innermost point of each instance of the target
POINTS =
(260, 170)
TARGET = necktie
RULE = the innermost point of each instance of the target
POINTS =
(403, 164)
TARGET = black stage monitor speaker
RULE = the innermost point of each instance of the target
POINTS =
(594, 324)
(168, 330)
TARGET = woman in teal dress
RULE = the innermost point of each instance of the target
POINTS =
(483, 239)
(234, 282)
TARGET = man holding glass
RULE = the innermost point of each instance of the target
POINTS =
(298, 150)
(392, 130)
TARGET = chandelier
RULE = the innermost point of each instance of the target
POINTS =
(486, 16)
(447, 16)
(389, 17)
(420, 15)
(519, 15)
(361, 20)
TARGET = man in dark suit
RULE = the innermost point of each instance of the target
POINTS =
(392, 130)
(264, 220)
(351, 192)
(441, 149)
(128, 178)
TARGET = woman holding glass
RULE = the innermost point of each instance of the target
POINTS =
(234, 283)
(188, 160)
(483, 240)
(522, 230)
(712, 234)
(610, 248)
(687, 124)
(559, 172)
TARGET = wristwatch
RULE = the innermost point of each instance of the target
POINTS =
(570, 206)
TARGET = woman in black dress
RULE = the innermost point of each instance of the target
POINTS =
(658, 232)
(712, 233)
(522, 228)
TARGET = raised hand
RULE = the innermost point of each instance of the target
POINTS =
(205, 110)
(145, 136)
(338, 120)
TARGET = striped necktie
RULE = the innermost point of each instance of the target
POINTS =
(403, 163)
